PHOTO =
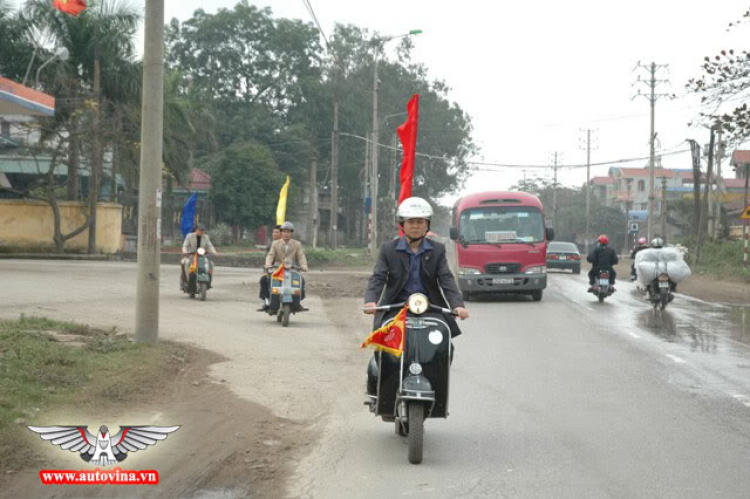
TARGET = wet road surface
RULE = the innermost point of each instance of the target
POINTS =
(566, 398)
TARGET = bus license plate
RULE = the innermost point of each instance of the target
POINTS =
(500, 280)
(603, 282)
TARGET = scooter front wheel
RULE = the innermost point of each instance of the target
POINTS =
(204, 288)
(416, 432)
(287, 313)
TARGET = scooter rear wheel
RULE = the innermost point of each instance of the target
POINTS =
(416, 432)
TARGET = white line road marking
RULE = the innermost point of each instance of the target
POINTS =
(634, 335)
(675, 358)
(742, 399)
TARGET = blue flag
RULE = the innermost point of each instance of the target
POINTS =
(188, 215)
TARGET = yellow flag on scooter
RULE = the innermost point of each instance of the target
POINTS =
(389, 338)
(281, 209)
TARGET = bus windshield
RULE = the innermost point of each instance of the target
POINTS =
(501, 224)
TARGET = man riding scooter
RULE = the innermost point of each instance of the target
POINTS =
(602, 258)
(193, 241)
(264, 293)
(284, 249)
(641, 246)
(412, 264)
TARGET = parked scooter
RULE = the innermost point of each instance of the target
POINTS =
(199, 271)
(602, 287)
(286, 292)
(660, 291)
(415, 386)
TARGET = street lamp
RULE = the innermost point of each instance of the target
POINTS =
(376, 141)
(61, 53)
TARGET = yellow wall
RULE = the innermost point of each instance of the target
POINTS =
(29, 223)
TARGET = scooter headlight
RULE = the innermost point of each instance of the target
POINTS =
(201, 251)
(415, 369)
(418, 304)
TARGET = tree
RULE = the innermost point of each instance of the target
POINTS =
(101, 44)
(725, 79)
(245, 184)
(16, 47)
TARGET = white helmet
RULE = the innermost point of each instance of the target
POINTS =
(414, 208)
(657, 242)
(287, 226)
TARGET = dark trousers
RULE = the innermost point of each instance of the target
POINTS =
(594, 272)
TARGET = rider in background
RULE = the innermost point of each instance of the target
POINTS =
(193, 241)
(602, 258)
(642, 245)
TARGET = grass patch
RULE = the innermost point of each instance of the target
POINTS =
(723, 259)
(40, 368)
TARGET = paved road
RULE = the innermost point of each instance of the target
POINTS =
(567, 398)
(563, 398)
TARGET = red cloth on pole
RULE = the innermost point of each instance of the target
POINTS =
(72, 7)
(407, 133)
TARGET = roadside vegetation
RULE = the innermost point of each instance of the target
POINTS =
(722, 258)
(46, 365)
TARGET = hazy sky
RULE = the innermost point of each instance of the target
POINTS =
(533, 74)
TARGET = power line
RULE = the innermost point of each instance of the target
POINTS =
(510, 165)
(311, 11)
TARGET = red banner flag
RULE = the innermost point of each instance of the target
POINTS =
(389, 338)
(408, 135)
(72, 7)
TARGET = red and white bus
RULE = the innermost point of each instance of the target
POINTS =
(501, 244)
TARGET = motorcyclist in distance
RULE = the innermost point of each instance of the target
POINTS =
(193, 241)
(602, 258)
(642, 245)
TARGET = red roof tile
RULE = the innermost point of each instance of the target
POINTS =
(740, 157)
(199, 180)
(732, 183)
(603, 180)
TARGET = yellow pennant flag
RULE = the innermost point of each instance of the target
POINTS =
(281, 209)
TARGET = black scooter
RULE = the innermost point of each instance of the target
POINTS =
(415, 386)
(602, 287)
(661, 291)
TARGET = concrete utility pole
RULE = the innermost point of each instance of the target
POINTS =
(554, 195)
(716, 218)
(664, 204)
(588, 189)
(149, 199)
(745, 235)
(333, 225)
(375, 166)
(368, 193)
(312, 222)
(652, 96)
(392, 190)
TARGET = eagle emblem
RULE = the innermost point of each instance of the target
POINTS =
(103, 449)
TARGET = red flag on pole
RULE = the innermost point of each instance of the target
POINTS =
(72, 7)
(408, 135)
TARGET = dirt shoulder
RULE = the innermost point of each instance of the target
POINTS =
(226, 445)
